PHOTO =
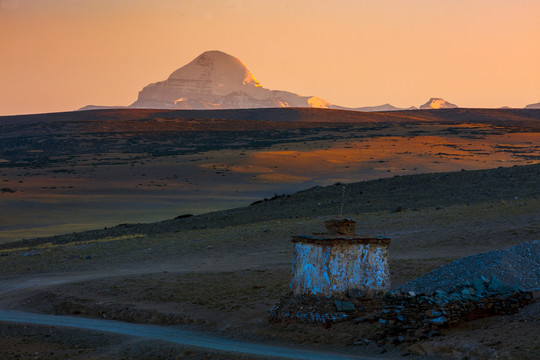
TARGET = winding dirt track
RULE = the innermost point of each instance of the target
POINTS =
(189, 338)
(10, 287)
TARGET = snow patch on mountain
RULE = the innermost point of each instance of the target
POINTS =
(438, 103)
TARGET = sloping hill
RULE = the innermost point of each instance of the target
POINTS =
(390, 194)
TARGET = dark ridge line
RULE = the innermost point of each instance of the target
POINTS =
(504, 117)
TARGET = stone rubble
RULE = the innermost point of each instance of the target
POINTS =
(409, 316)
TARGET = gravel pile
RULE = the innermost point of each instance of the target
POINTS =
(515, 266)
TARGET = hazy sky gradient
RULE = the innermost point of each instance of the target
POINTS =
(59, 55)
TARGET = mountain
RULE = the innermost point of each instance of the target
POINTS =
(100, 107)
(438, 103)
(533, 106)
(216, 80)
(384, 107)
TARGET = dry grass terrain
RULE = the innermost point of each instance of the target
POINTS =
(221, 270)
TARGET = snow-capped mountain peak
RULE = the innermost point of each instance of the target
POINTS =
(438, 103)
(216, 80)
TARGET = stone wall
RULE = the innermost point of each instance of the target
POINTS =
(317, 310)
(410, 316)
(407, 316)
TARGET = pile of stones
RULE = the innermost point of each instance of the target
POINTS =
(519, 265)
(407, 317)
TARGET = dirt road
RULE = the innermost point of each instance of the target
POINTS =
(190, 338)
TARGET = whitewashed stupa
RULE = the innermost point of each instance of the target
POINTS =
(338, 262)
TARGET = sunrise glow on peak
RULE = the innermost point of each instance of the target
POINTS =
(317, 102)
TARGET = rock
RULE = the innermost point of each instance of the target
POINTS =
(494, 284)
(364, 319)
(344, 305)
(479, 286)
(32, 253)
(433, 313)
(355, 293)
(438, 321)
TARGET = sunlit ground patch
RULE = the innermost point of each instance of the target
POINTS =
(50, 245)
(280, 178)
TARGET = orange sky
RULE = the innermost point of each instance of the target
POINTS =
(59, 55)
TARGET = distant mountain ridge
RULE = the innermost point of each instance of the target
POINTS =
(100, 107)
(384, 107)
(216, 80)
(533, 106)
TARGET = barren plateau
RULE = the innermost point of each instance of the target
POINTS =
(442, 184)
(82, 170)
